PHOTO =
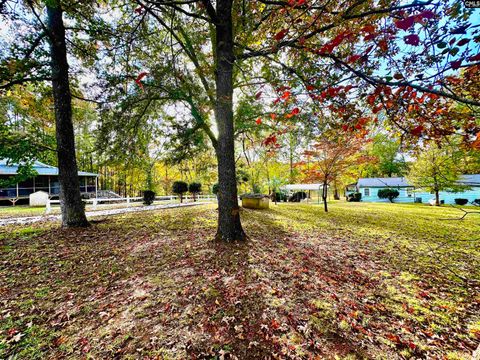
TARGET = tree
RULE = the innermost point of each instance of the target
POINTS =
(332, 156)
(389, 194)
(204, 49)
(275, 184)
(180, 188)
(28, 62)
(434, 170)
(195, 188)
(390, 161)
(73, 209)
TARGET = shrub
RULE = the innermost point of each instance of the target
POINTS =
(279, 196)
(194, 188)
(148, 197)
(389, 194)
(215, 188)
(461, 201)
(354, 197)
(476, 202)
(298, 196)
(180, 188)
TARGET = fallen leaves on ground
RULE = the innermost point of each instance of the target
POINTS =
(307, 285)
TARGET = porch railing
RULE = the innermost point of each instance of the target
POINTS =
(14, 192)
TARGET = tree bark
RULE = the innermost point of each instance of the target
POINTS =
(73, 210)
(437, 198)
(229, 226)
(324, 196)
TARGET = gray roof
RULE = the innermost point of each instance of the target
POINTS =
(471, 180)
(383, 182)
(39, 167)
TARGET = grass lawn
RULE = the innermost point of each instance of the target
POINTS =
(379, 281)
(8, 212)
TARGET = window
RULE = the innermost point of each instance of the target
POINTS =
(367, 192)
(409, 192)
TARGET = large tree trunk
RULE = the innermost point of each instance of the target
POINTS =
(324, 196)
(437, 198)
(73, 211)
(229, 226)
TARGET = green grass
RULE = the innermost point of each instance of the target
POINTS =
(362, 281)
(20, 210)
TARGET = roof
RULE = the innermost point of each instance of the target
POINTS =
(383, 182)
(39, 167)
(302, 187)
(470, 180)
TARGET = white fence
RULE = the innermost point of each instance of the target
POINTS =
(130, 201)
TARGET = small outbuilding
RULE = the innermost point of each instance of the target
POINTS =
(38, 198)
(307, 188)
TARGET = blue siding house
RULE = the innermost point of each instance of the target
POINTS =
(369, 188)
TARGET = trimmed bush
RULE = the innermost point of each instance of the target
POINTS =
(148, 197)
(180, 188)
(389, 194)
(194, 188)
(354, 197)
(461, 201)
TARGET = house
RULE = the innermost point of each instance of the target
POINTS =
(369, 188)
(46, 180)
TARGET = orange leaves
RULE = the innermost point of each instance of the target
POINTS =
(274, 324)
(383, 45)
(294, 3)
(476, 143)
(286, 95)
(281, 34)
(368, 29)
(258, 121)
(271, 141)
(294, 112)
(332, 44)
(393, 338)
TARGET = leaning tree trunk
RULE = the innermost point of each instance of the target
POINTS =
(229, 226)
(73, 211)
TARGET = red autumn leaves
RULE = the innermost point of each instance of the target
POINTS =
(408, 22)
(139, 78)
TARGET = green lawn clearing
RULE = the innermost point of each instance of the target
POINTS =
(375, 281)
